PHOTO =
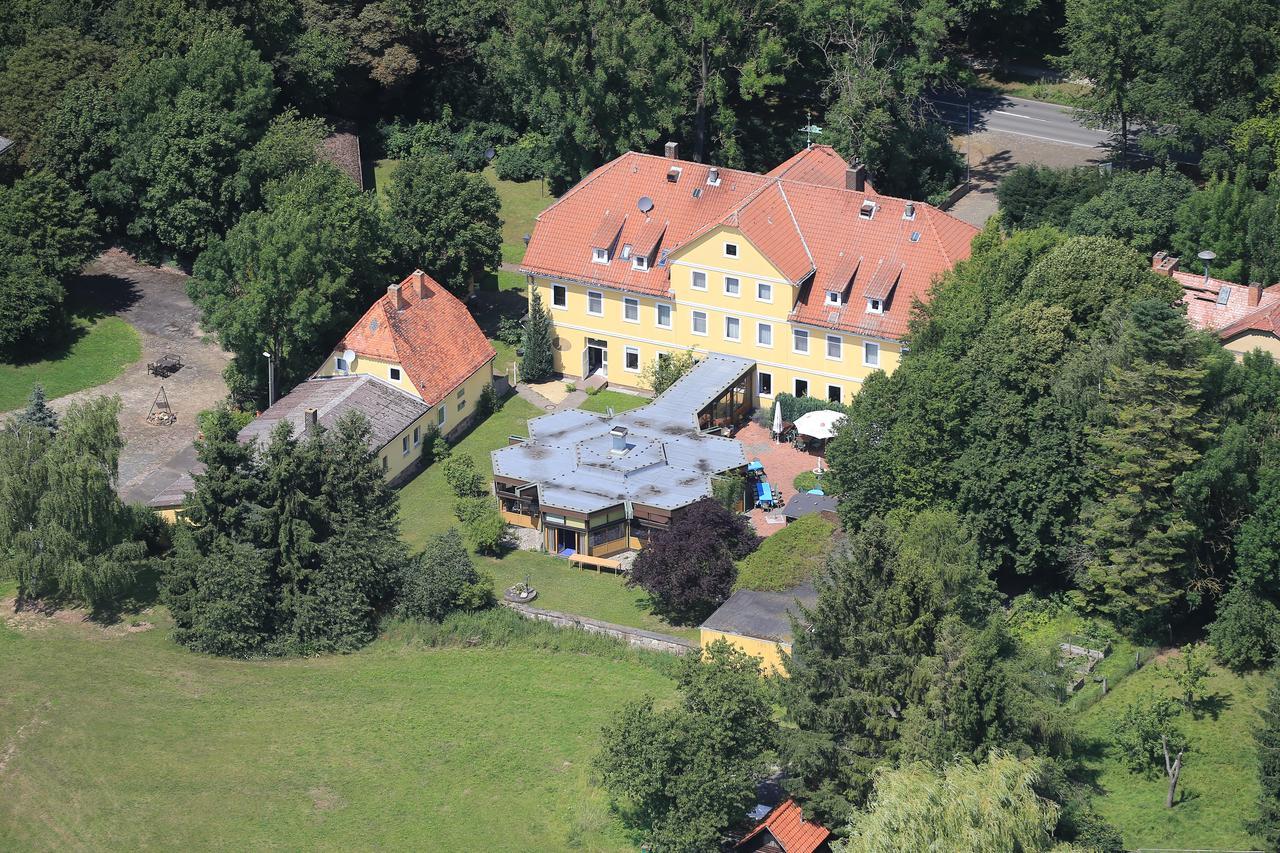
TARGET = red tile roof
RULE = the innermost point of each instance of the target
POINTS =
(799, 216)
(788, 827)
(433, 338)
(1223, 306)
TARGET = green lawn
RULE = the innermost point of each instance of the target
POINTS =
(100, 351)
(1018, 85)
(1219, 785)
(601, 401)
(382, 170)
(131, 742)
(426, 509)
(521, 203)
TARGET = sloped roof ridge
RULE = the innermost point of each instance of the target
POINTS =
(813, 265)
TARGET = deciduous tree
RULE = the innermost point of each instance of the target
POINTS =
(442, 579)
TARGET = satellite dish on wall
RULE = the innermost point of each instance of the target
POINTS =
(349, 356)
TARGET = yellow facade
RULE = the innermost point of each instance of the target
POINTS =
(769, 651)
(733, 304)
(1249, 341)
(450, 414)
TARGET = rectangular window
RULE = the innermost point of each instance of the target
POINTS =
(394, 373)
(461, 398)
(595, 303)
(871, 354)
(626, 251)
(600, 256)
(631, 310)
(417, 436)
(640, 262)
(802, 387)
(733, 328)
(833, 393)
(731, 250)
(834, 298)
(384, 463)
(440, 415)
(764, 291)
(699, 280)
(559, 296)
(699, 322)
(732, 286)
(799, 341)
(340, 365)
(764, 383)
(875, 306)
(664, 316)
(764, 334)
(835, 347)
(631, 359)
(404, 446)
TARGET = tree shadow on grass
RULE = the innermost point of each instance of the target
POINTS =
(1213, 705)
(490, 306)
(89, 298)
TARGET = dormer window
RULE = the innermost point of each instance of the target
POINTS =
(640, 262)
(834, 298)
(673, 174)
(867, 210)
(875, 306)
(599, 256)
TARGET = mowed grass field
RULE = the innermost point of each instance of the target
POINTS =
(1219, 787)
(111, 740)
(100, 351)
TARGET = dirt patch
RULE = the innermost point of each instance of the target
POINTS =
(325, 799)
(24, 731)
(39, 616)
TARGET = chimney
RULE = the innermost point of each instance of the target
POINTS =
(855, 178)
(619, 434)
(673, 151)
(1163, 263)
(909, 211)
(713, 176)
(420, 284)
(310, 422)
(1255, 294)
(397, 298)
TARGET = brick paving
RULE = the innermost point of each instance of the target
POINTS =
(782, 462)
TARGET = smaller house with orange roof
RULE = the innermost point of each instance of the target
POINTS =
(786, 831)
(1244, 317)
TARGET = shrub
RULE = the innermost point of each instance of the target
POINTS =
(462, 476)
(487, 402)
(510, 331)
(805, 481)
(442, 579)
(524, 160)
(468, 509)
(688, 569)
(793, 407)
(661, 373)
(486, 530)
(788, 557)
(728, 491)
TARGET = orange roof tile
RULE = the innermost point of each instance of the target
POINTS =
(788, 827)
(433, 338)
(809, 227)
(1223, 306)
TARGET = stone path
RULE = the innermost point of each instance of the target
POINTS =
(154, 301)
(782, 462)
(571, 400)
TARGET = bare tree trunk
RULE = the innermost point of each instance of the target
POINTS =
(700, 110)
(1172, 769)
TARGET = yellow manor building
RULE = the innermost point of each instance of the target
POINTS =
(806, 270)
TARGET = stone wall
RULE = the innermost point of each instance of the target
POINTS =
(637, 637)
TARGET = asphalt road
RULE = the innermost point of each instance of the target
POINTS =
(1021, 117)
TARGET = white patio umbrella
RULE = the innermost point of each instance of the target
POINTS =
(820, 424)
(777, 419)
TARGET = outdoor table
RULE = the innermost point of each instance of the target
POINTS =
(756, 467)
(766, 494)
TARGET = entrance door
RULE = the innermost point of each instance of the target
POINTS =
(566, 540)
(597, 357)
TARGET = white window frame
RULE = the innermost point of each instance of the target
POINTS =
(626, 251)
(694, 278)
(839, 393)
(834, 298)
(737, 284)
(727, 247)
(562, 291)
(795, 386)
(875, 306)
(764, 327)
(870, 354)
(404, 446)
(629, 302)
(657, 315)
(441, 414)
(340, 365)
(394, 374)
(867, 210)
(839, 345)
(768, 288)
(596, 295)
(729, 337)
(760, 375)
(796, 336)
(640, 262)
(599, 256)
(693, 323)
(629, 351)
(417, 436)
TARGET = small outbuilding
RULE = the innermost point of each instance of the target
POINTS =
(786, 831)
(759, 623)
(807, 503)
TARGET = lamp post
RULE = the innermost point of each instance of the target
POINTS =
(271, 379)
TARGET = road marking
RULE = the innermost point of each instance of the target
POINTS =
(1019, 115)
(1046, 138)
